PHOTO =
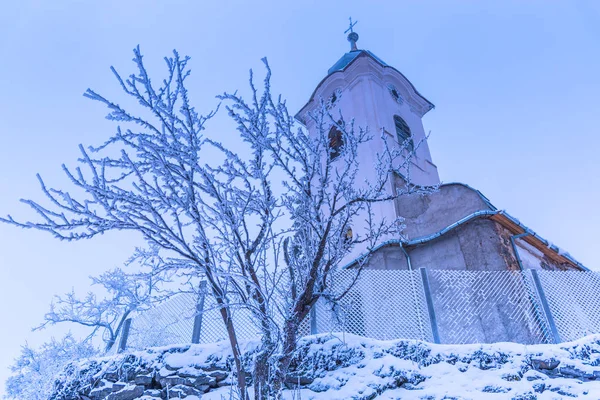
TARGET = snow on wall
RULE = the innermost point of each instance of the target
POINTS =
(337, 366)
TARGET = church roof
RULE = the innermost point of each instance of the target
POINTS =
(347, 59)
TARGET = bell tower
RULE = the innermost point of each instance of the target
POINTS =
(378, 96)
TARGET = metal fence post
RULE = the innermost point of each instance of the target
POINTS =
(124, 336)
(313, 319)
(430, 309)
(198, 317)
(545, 306)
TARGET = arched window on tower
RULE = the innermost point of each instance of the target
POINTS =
(336, 141)
(403, 132)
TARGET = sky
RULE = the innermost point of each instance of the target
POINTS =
(515, 84)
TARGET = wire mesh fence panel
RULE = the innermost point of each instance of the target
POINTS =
(382, 304)
(470, 307)
(573, 298)
(213, 327)
(487, 307)
(169, 323)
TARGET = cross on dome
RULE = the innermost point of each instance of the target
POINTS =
(352, 36)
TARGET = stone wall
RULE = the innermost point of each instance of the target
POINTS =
(346, 366)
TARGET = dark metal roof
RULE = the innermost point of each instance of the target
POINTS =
(349, 57)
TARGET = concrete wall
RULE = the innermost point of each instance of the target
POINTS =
(475, 246)
(425, 215)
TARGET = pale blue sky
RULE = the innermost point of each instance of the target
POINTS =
(515, 84)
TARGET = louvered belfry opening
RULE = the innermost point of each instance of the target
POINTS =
(403, 131)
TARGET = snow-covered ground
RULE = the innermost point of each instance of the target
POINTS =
(339, 366)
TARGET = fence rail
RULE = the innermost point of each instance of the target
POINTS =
(444, 306)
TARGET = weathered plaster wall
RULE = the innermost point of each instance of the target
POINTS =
(388, 257)
(425, 215)
(475, 246)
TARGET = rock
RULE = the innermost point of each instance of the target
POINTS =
(100, 392)
(130, 392)
(212, 368)
(163, 372)
(295, 380)
(539, 387)
(525, 396)
(118, 386)
(511, 377)
(190, 372)
(112, 376)
(496, 389)
(219, 375)
(181, 391)
(533, 375)
(548, 365)
(145, 380)
(204, 380)
(224, 382)
(410, 386)
(170, 381)
(153, 393)
(571, 372)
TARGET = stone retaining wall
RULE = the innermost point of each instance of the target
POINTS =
(342, 367)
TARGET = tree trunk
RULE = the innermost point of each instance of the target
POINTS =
(290, 332)
(114, 335)
(261, 375)
(235, 348)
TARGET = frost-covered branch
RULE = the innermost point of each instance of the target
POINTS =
(125, 293)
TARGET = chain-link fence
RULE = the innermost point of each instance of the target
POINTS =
(382, 304)
(487, 307)
(574, 302)
(170, 322)
(444, 306)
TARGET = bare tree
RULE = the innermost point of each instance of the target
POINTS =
(125, 293)
(322, 210)
(267, 246)
(154, 185)
(34, 372)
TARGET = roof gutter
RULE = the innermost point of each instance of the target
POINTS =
(477, 214)
(425, 239)
(415, 242)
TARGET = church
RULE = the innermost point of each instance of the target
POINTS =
(456, 227)
(458, 240)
